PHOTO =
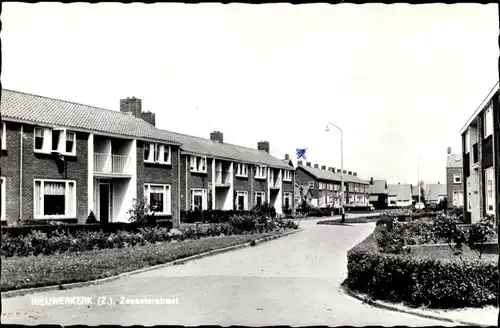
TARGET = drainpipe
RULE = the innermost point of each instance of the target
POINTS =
(21, 175)
(179, 186)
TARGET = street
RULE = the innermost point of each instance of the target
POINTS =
(293, 280)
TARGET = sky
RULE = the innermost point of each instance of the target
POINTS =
(400, 80)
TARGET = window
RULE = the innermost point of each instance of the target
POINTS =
(198, 199)
(356, 188)
(458, 198)
(156, 153)
(457, 178)
(54, 198)
(260, 172)
(490, 197)
(4, 136)
(241, 170)
(351, 188)
(320, 187)
(469, 195)
(287, 200)
(198, 164)
(241, 200)
(467, 141)
(311, 184)
(158, 198)
(287, 175)
(260, 197)
(336, 187)
(488, 122)
(54, 140)
(4, 203)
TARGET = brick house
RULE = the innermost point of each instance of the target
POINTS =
(454, 185)
(60, 160)
(399, 195)
(324, 186)
(378, 193)
(480, 158)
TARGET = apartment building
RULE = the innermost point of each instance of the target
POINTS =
(60, 160)
(480, 153)
(324, 186)
(454, 184)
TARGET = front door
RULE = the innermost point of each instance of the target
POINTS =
(104, 203)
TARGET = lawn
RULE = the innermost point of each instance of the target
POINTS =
(46, 270)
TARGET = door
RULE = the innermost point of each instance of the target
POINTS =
(104, 202)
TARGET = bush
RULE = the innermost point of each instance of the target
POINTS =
(91, 218)
(436, 283)
(386, 221)
(209, 216)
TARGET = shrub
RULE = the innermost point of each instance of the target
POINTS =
(480, 232)
(264, 209)
(436, 283)
(385, 221)
(91, 218)
(141, 213)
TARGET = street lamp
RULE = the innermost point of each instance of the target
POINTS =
(341, 169)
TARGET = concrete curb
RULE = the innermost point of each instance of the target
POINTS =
(380, 305)
(22, 292)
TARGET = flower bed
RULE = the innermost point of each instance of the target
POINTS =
(62, 241)
(415, 281)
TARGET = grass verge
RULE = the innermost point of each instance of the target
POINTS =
(46, 270)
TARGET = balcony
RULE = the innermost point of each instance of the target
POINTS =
(222, 179)
(475, 157)
(111, 164)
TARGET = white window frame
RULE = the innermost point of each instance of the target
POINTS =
(289, 196)
(243, 193)
(287, 175)
(156, 148)
(455, 176)
(320, 186)
(3, 186)
(4, 136)
(490, 200)
(198, 164)
(203, 194)
(260, 171)
(259, 193)
(65, 215)
(311, 184)
(241, 170)
(467, 141)
(469, 195)
(47, 141)
(488, 122)
(167, 197)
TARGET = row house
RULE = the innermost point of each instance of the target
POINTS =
(62, 160)
(324, 186)
(431, 193)
(481, 153)
(378, 193)
(399, 195)
(454, 184)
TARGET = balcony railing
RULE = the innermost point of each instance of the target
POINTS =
(106, 163)
(475, 157)
(222, 177)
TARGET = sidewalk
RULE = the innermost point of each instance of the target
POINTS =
(486, 316)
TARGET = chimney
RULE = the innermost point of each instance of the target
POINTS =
(132, 106)
(334, 170)
(316, 166)
(339, 171)
(149, 117)
(299, 162)
(438, 182)
(323, 167)
(287, 157)
(449, 150)
(371, 180)
(345, 171)
(331, 169)
(355, 174)
(349, 172)
(264, 146)
(399, 183)
(308, 164)
(217, 136)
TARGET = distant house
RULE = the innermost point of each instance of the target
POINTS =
(454, 183)
(378, 193)
(434, 192)
(399, 195)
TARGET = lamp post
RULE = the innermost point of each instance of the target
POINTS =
(341, 169)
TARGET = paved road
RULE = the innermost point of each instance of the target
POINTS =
(290, 281)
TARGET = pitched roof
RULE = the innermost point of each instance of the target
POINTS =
(37, 109)
(207, 147)
(454, 160)
(378, 187)
(434, 191)
(330, 176)
(401, 191)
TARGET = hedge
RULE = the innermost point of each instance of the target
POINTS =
(435, 283)
(210, 216)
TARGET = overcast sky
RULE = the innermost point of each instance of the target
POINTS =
(401, 80)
